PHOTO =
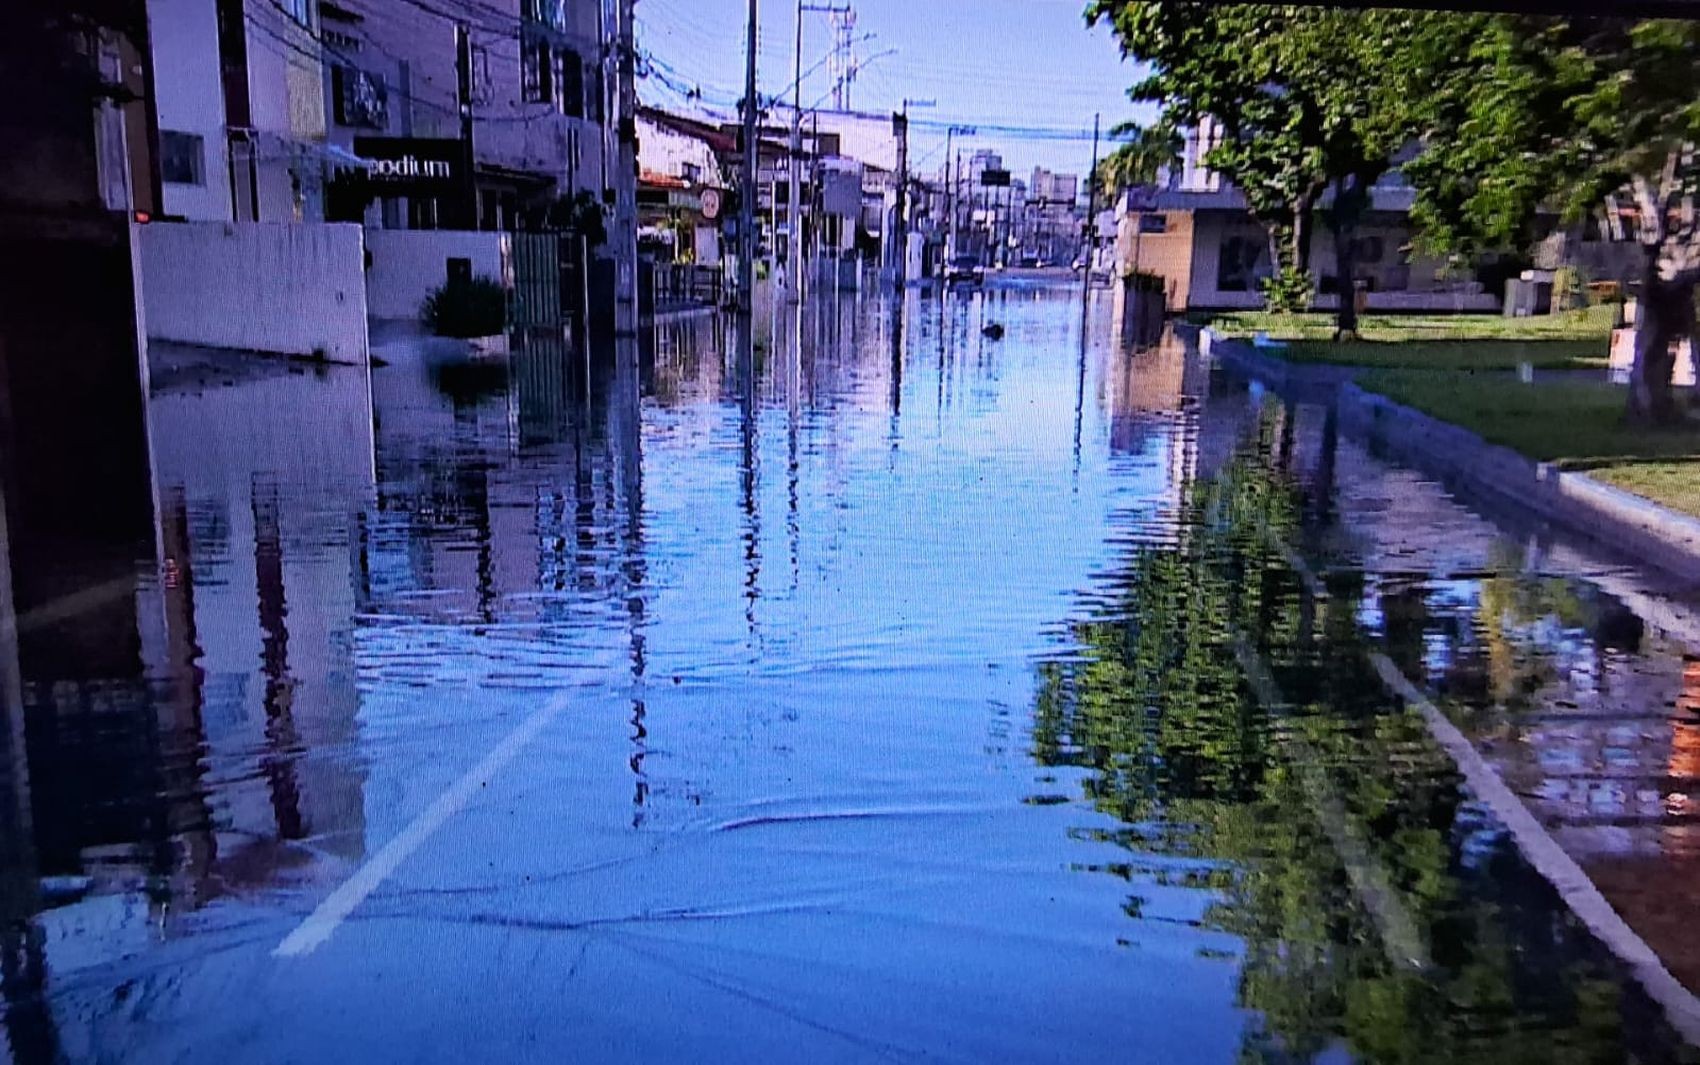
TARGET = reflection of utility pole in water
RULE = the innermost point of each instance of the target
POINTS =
(625, 434)
(182, 716)
(897, 307)
(279, 697)
(1080, 389)
(793, 431)
(749, 472)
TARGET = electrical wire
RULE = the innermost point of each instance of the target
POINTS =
(305, 53)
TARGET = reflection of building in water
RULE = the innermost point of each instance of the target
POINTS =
(179, 699)
(499, 502)
(265, 475)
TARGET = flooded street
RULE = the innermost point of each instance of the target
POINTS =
(865, 689)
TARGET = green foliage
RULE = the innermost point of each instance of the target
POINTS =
(1306, 98)
(1224, 792)
(580, 216)
(1545, 111)
(466, 308)
(1136, 160)
(1287, 291)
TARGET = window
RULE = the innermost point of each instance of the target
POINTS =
(570, 83)
(536, 70)
(361, 98)
(551, 13)
(1237, 264)
(181, 158)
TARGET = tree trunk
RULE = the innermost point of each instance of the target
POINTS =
(1665, 315)
(1301, 235)
(1346, 278)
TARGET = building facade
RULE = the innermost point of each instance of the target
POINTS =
(352, 110)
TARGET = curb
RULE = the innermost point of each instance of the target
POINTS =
(1276, 372)
(1574, 886)
(1610, 516)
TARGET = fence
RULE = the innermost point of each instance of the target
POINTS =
(687, 284)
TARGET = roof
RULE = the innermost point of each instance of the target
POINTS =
(709, 133)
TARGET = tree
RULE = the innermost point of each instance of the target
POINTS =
(1308, 100)
(1557, 114)
(1142, 153)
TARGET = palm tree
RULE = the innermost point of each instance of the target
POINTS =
(1143, 152)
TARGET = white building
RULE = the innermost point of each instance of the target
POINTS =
(241, 109)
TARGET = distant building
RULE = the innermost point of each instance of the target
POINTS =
(1193, 230)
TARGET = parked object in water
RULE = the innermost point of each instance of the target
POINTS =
(964, 270)
(995, 331)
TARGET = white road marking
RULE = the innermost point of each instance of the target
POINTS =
(1550, 859)
(322, 922)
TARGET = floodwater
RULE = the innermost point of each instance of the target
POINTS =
(863, 689)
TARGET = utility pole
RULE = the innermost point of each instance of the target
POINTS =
(949, 200)
(625, 181)
(794, 209)
(747, 195)
(463, 98)
(900, 226)
(900, 223)
(1091, 228)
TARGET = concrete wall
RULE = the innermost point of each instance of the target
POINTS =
(290, 289)
(190, 98)
(1167, 254)
(408, 263)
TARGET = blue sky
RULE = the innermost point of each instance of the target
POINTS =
(1025, 63)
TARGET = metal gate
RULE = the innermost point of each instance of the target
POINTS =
(539, 276)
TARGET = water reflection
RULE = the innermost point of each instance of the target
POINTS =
(794, 579)
(1224, 711)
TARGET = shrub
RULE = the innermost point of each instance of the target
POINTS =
(475, 307)
(1287, 290)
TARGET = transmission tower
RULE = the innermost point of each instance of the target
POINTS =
(843, 67)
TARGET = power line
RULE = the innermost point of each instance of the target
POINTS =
(308, 54)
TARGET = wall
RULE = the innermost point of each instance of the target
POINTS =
(1210, 228)
(190, 99)
(1167, 254)
(290, 289)
(408, 263)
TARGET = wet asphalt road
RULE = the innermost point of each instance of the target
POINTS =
(905, 695)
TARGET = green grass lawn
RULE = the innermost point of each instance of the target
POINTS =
(1588, 324)
(1451, 354)
(1675, 484)
(1576, 424)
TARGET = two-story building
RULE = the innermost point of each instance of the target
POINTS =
(1193, 229)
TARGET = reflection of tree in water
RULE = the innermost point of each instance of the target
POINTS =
(1159, 709)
